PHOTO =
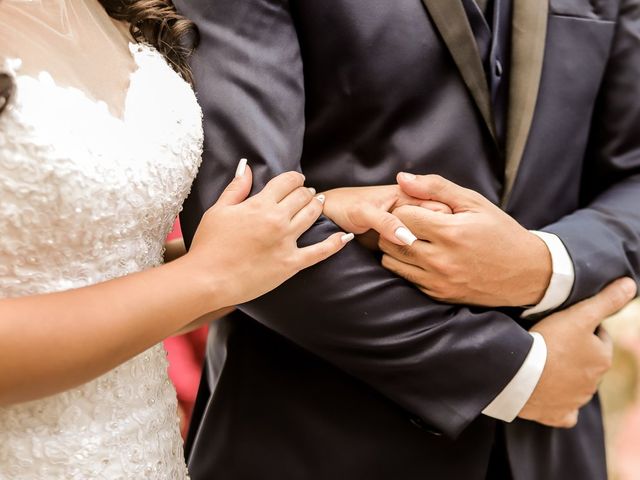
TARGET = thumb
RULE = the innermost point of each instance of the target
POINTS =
(592, 311)
(238, 190)
(437, 188)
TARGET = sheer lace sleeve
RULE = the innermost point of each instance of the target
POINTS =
(74, 41)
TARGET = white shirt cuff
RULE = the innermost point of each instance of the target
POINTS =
(508, 404)
(562, 277)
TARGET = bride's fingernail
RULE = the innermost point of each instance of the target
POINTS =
(320, 198)
(312, 190)
(405, 236)
(242, 166)
(347, 237)
(407, 176)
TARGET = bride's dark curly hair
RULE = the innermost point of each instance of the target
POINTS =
(155, 22)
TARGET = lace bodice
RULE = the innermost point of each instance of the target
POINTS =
(86, 197)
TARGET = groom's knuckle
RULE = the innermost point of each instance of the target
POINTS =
(437, 264)
(448, 268)
(438, 288)
(410, 276)
(273, 221)
(451, 230)
(450, 291)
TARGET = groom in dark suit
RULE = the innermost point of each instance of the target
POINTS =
(348, 371)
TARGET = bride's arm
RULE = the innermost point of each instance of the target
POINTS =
(53, 342)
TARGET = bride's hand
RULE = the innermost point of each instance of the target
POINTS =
(360, 209)
(247, 247)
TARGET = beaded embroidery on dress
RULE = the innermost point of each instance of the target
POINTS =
(86, 197)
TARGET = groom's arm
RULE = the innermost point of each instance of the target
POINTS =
(603, 239)
(443, 363)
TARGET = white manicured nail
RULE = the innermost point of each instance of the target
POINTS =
(320, 198)
(408, 176)
(405, 236)
(242, 166)
(312, 190)
(347, 237)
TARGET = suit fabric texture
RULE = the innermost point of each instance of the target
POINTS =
(347, 371)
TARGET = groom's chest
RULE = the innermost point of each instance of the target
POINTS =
(384, 92)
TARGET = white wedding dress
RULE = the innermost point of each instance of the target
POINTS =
(87, 196)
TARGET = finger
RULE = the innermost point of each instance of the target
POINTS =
(297, 200)
(411, 273)
(307, 216)
(238, 190)
(611, 299)
(424, 223)
(282, 185)
(436, 206)
(318, 252)
(386, 224)
(399, 252)
(419, 254)
(435, 187)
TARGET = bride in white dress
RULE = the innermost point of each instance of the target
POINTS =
(100, 139)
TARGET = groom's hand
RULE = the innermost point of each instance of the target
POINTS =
(477, 256)
(576, 357)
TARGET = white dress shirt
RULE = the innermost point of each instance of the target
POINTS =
(507, 405)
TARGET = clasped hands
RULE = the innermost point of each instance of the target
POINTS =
(458, 247)
(467, 251)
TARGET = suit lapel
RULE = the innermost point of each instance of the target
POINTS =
(451, 20)
(529, 38)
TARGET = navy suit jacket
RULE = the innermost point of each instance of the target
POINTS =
(347, 371)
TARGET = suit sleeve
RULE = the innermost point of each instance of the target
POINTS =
(603, 238)
(441, 363)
